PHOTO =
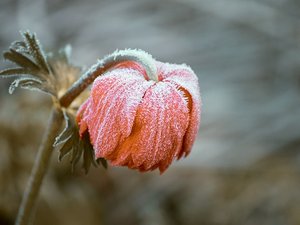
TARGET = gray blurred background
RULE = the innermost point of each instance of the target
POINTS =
(245, 164)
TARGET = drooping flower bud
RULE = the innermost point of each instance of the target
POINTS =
(140, 123)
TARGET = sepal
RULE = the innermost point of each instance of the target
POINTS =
(49, 72)
(70, 143)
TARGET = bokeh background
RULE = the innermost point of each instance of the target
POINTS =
(245, 164)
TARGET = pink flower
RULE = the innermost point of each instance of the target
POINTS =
(139, 123)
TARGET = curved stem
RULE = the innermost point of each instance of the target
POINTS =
(39, 169)
(104, 65)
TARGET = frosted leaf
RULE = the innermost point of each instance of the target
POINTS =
(34, 69)
(13, 72)
(26, 83)
(70, 143)
(66, 132)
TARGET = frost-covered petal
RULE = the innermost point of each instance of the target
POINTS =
(134, 66)
(110, 110)
(186, 80)
(161, 122)
(79, 118)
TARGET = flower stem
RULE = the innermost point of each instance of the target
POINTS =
(104, 65)
(39, 169)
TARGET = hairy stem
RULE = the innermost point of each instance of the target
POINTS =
(106, 64)
(39, 169)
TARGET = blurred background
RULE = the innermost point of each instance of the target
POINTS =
(245, 164)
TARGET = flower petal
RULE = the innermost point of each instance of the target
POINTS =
(184, 77)
(111, 108)
(132, 65)
(161, 122)
(80, 114)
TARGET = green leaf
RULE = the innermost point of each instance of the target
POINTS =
(53, 69)
(75, 148)
(18, 45)
(30, 83)
(76, 154)
(87, 160)
(67, 131)
(103, 162)
(79, 147)
(88, 154)
(35, 49)
(65, 149)
(24, 82)
(21, 60)
(13, 72)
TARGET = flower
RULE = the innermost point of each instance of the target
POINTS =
(139, 123)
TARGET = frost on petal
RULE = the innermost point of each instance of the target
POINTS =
(79, 118)
(132, 65)
(187, 81)
(160, 125)
(110, 111)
